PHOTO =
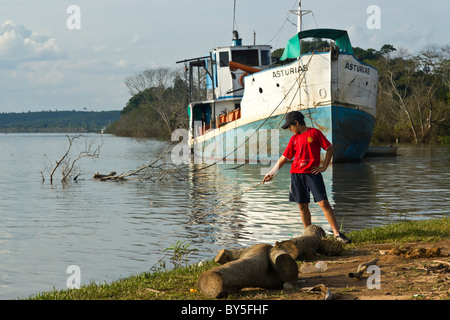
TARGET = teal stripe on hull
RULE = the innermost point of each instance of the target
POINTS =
(352, 132)
(349, 130)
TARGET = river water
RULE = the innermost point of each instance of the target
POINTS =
(114, 229)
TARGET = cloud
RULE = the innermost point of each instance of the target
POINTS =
(100, 48)
(19, 44)
(138, 40)
(122, 63)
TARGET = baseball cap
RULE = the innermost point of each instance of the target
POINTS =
(291, 117)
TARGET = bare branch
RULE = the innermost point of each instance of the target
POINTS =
(68, 166)
(58, 163)
(158, 169)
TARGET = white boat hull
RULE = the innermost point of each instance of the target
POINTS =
(336, 93)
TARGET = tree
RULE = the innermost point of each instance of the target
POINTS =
(365, 55)
(443, 68)
(396, 76)
(408, 85)
(160, 89)
(387, 49)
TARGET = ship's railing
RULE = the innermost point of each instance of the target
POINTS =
(228, 117)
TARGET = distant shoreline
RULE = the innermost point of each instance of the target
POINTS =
(57, 121)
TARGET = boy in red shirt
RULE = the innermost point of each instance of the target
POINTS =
(304, 146)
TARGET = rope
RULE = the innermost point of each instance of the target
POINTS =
(259, 183)
(284, 23)
(265, 120)
(297, 81)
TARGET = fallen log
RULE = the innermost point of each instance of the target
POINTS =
(280, 260)
(251, 269)
(283, 263)
(307, 245)
(262, 265)
(225, 255)
(98, 176)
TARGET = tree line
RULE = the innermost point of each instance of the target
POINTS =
(57, 121)
(412, 106)
(158, 105)
(413, 96)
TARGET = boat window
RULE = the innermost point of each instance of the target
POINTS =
(265, 57)
(247, 57)
(224, 59)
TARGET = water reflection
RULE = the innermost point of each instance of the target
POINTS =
(353, 197)
(367, 193)
(238, 213)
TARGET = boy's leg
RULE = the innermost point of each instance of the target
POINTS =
(299, 192)
(305, 214)
(329, 215)
(317, 187)
(331, 218)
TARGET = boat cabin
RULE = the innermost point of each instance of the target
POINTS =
(216, 88)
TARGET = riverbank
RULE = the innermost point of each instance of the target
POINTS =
(408, 271)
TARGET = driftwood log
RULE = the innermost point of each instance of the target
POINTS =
(263, 265)
(251, 269)
(104, 177)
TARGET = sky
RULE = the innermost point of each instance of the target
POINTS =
(54, 56)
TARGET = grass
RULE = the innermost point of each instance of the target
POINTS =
(180, 283)
(405, 231)
(172, 284)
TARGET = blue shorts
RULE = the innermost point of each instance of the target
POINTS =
(302, 184)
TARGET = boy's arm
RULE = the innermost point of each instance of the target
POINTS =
(275, 169)
(326, 163)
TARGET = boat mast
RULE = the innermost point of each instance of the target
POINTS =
(299, 17)
(300, 13)
(299, 22)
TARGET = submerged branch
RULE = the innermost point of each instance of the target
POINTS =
(67, 165)
(159, 168)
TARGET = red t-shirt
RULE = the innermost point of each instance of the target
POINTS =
(306, 149)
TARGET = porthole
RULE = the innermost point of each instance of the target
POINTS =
(260, 90)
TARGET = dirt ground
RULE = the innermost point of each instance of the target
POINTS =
(407, 271)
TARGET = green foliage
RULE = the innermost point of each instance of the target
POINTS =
(168, 284)
(413, 95)
(57, 121)
(180, 253)
(405, 231)
(158, 105)
(141, 121)
(445, 140)
(137, 100)
(314, 45)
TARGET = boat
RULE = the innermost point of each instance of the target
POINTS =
(248, 95)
